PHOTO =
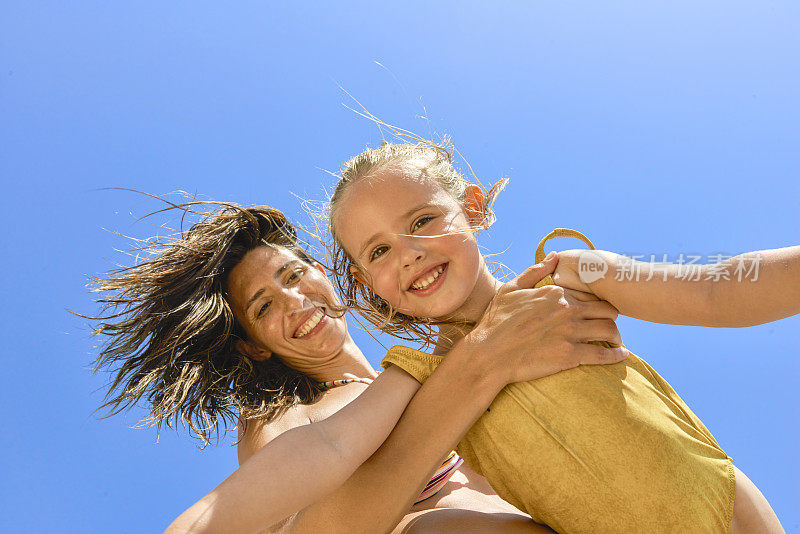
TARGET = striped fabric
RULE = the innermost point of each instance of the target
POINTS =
(442, 474)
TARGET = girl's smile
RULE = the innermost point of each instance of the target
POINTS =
(429, 281)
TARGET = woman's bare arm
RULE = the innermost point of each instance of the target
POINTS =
(303, 464)
(773, 295)
(745, 290)
(383, 489)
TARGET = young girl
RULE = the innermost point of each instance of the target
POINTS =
(232, 322)
(610, 449)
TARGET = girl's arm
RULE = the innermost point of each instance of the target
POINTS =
(745, 290)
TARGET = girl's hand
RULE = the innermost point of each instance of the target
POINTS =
(531, 333)
(566, 273)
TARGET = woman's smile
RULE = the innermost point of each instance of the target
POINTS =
(314, 321)
(296, 298)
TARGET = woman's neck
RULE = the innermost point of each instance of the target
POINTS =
(348, 362)
(470, 312)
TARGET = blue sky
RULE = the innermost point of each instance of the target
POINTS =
(663, 128)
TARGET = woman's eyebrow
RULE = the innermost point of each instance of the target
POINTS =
(285, 266)
(278, 273)
(253, 299)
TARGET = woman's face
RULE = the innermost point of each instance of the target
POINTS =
(284, 305)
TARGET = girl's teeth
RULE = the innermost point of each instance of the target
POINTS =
(310, 324)
(428, 281)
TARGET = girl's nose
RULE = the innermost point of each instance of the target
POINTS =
(413, 252)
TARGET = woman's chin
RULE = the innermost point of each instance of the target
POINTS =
(332, 344)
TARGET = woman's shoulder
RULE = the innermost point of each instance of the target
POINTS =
(256, 433)
(334, 399)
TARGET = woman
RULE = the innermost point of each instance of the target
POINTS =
(234, 320)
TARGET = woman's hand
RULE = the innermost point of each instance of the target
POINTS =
(530, 333)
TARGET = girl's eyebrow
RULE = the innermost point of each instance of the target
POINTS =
(413, 210)
(403, 217)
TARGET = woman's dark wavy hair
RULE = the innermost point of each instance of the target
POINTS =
(171, 333)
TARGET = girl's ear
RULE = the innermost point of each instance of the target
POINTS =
(249, 349)
(320, 268)
(358, 275)
(476, 205)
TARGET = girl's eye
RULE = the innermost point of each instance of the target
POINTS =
(378, 252)
(419, 223)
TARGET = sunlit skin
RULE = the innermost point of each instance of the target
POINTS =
(405, 229)
(274, 294)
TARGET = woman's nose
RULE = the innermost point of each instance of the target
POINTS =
(294, 299)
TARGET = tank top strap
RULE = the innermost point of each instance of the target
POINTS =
(557, 232)
(418, 364)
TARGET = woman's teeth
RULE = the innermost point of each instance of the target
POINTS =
(309, 325)
(422, 284)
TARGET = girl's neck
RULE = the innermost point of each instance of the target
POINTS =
(471, 311)
(349, 362)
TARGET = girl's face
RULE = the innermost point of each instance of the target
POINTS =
(411, 242)
(284, 304)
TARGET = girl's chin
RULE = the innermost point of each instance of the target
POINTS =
(434, 313)
(447, 304)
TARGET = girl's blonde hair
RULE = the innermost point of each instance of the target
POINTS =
(437, 160)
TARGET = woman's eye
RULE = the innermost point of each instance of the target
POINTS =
(262, 309)
(419, 223)
(296, 275)
(378, 252)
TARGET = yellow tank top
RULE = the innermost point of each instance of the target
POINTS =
(597, 449)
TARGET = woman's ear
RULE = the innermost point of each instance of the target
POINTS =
(249, 349)
(476, 205)
(320, 268)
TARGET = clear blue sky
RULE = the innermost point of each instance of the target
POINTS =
(662, 127)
